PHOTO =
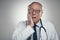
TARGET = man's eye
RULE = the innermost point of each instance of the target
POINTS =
(39, 10)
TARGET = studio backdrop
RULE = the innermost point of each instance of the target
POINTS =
(14, 11)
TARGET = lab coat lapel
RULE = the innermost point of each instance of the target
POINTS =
(43, 33)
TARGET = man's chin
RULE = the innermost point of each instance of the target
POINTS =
(34, 21)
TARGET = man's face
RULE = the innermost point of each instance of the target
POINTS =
(34, 10)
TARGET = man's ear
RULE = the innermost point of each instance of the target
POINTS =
(41, 13)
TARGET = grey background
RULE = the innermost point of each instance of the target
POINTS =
(10, 15)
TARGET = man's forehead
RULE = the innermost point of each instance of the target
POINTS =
(35, 6)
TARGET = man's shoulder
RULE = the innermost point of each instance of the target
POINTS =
(47, 22)
(49, 25)
(21, 25)
(22, 22)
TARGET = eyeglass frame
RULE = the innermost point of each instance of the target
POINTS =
(31, 10)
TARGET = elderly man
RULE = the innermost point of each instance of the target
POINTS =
(35, 28)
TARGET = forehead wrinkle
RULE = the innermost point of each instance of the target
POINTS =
(35, 6)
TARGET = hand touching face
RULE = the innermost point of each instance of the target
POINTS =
(35, 12)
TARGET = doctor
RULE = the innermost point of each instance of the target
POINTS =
(35, 28)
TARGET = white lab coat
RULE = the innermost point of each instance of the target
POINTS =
(23, 31)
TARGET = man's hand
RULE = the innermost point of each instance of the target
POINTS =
(30, 21)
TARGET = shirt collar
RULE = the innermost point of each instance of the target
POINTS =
(38, 24)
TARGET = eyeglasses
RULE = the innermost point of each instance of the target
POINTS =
(31, 10)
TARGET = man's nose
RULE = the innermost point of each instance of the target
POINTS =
(33, 13)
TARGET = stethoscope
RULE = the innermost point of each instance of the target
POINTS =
(42, 28)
